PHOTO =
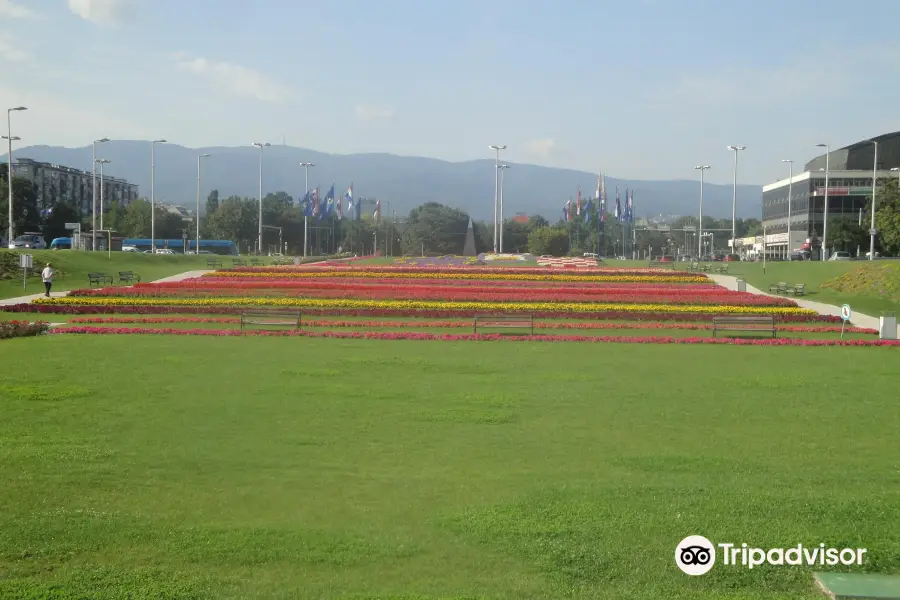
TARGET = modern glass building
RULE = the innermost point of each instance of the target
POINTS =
(850, 172)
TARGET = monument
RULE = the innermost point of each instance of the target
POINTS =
(469, 247)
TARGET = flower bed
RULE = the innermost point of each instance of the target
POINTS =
(486, 274)
(412, 335)
(14, 329)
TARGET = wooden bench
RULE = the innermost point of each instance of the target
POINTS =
(504, 321)
(799, 289)
(271, 316)
(238, 262)
(256, 262)
(213, 263)
(129, 277)
(778, 288)
(744, 323)
(99, 278)
(661, 264)
(722, 268)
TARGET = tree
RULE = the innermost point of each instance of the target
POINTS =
(55, 224)
(548, 240)
(887, 218)
(135, 222)
(212, 202)
(26, 216)
(845, 233)
(439, 228)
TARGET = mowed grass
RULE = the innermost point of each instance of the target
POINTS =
(198, 467)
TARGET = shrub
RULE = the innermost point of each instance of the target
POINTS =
(13, 329)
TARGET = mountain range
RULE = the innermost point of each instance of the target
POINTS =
(403, 181)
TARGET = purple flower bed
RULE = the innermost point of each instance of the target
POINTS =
(439, 261)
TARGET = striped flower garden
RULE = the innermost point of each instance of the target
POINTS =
(442, 301)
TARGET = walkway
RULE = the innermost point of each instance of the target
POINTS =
(28, 299)
(859, 320)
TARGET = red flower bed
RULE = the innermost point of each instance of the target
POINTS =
(14, 329)
(68, 309)
(457, 324)
(262, 282)
(458, 269)
(411, 335)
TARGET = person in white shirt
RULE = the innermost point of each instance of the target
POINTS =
(47, 277)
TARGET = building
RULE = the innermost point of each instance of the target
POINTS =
(850, 171)
(55, 183)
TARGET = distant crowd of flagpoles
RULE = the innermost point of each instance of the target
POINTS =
(319, 209)
(623, 214)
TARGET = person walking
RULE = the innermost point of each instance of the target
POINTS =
(47, 277)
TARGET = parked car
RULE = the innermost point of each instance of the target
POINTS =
(130, 249)
(732, 258)
(33, 241)
(800, 255)
(841, 255)
(164, 251)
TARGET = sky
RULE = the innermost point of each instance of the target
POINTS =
(642, 89)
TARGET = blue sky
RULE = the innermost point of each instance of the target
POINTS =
(645, 89)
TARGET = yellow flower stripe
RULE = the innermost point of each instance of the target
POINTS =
(561, 307)
(507, 276)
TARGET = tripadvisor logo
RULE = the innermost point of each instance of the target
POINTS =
(696, 555)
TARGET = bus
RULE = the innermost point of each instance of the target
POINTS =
(223, 247)
(61, 243)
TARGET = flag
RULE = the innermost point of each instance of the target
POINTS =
(587, 211)
(618, 207)
(349, 197)
(306, 203)
(578, 203)
(314, 200)
(340, 208)
(602, 184)
(377, 213)
(328, 207)
(568, 210)
(631, 207)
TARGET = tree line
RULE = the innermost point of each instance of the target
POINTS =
(430, 228)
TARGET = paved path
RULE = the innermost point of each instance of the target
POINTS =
(29, 298)
(858, 320)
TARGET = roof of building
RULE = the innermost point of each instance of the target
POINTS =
(860, 156)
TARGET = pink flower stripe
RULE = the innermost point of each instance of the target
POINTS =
(262, 282)
(74, 309)
(412, 335)
(457, 269)
(459, 324)
(451, 294)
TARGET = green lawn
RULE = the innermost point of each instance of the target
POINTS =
(330, 469)
(76, 265)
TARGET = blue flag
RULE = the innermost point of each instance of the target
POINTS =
(329, 204)
(587, 211)
(618, 206)
(307, 205)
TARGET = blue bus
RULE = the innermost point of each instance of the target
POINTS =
(61, 243)
(223, 247)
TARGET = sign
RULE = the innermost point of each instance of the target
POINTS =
(846, 312)
(73, 225)
(873, 232)
(25, 261)
(690, 228)
(844, 191)
(845, 317)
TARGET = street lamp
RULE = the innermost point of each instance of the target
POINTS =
(260, 145)
(197, 216)
(153, 194)
(872, 226)
(94, 188)
(700, 168)
(497, 149)
(9, 174)
(502, 169)
(825, 215)
(307, 165)
(790, 197)
(101, 162)
(736, 149)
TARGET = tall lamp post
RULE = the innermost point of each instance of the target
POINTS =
(260, 145)
(153, 194)
(700, 168)
(197, 216)
(790, 197)
(502, 222)
(497, 148)
(101, 162)
(307, 165)
(872, 226)
(735, 149)
(825, 213)
(94, 188)
(9, 174)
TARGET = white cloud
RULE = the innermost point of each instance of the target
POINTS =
(540, 148)
(10, 51)
(11, 10)
(239, 80)
(102, 12)
(369, 113)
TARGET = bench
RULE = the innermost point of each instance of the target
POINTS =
(238, 262)
(271, 316)
(213, 263)
(744, 323)
(661, 264)
(99, 278)
(722, 268)
(129, 277)
(705, 267)
(778, 288)
(256, 262)
(504, 321)
(799, 289)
